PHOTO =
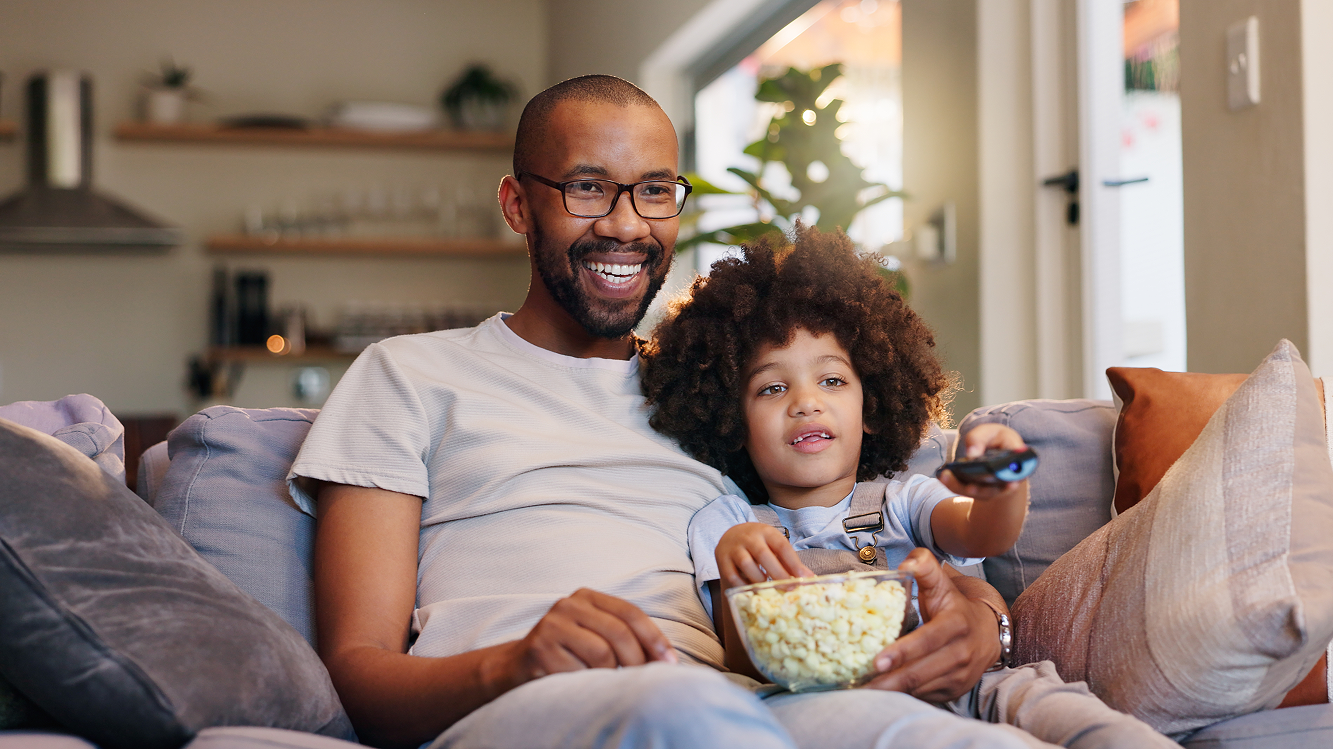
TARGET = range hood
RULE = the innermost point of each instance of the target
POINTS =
(59, 211)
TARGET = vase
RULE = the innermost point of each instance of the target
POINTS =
(165, 106)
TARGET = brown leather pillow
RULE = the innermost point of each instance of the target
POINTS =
(1161, 414)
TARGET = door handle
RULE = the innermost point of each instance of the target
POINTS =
(1069, 183)
(1123, 182)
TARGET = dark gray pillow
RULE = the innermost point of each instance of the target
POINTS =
(226, 493)
(119, 630)
(1071, 490)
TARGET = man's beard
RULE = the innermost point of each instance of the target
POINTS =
(615, 319)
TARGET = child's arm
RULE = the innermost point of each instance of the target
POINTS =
(744, 554)
(987, 519)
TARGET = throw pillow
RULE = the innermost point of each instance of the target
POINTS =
(1213, 596)
(1069, 495)
(115, 627)
(1160, 415)
(81, 421)
(225, 491)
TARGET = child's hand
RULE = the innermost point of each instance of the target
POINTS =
(749, 550)
(983, 438)
(986, 519)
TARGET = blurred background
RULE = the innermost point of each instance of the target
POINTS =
(1063, 185)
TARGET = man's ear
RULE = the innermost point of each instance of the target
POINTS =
(514, 205)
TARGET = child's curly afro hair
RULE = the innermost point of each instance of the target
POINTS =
(693, 369)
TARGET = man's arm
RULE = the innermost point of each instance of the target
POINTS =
(365, 591)
(959, 640)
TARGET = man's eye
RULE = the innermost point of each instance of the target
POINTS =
(772, 389)
(585, 189)
(655, 191)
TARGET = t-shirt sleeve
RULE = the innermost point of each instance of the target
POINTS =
(706, 529)
(372, 432)
(918, 496)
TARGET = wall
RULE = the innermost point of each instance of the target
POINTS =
(610, 36)
(1317, 55)
(940, 164)
(1245, 220)
(122, 327)
(1007, 266)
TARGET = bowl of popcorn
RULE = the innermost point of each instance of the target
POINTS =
(814, 633)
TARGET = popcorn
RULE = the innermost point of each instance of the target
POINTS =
(820, 632)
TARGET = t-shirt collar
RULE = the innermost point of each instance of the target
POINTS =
(514, 340)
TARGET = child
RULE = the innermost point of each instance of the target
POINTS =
(799, 372)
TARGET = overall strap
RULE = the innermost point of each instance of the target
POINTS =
(767, 516)
(866, 516)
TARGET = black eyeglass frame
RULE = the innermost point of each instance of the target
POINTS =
(620, 188)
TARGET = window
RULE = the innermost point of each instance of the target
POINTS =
(864, 35)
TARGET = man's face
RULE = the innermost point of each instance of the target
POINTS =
(604, 271)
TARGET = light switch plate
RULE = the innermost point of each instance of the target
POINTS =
(1243, 64)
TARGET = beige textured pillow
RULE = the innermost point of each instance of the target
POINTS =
(1213, 596)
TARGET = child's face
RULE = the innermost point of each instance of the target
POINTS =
(803, 413)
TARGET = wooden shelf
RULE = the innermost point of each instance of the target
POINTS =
(8, 130)
(226, 244)
(259, 354)
(440, 140)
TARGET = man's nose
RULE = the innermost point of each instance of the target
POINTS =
(623, 223)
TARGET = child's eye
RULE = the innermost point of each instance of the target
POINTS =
(833, 382)
(772, 389)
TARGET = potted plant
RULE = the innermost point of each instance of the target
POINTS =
(828, 189)
(478, 100)
(168, 91)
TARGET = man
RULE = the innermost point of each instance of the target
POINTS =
(500, 530)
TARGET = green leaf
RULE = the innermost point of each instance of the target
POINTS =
(704, 187)
(732, 235)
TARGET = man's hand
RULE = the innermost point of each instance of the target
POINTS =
(945, 656)
(749, 550)
(590, 630)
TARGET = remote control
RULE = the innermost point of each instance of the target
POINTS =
(995, 467)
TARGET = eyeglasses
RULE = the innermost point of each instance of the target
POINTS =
(595, 198)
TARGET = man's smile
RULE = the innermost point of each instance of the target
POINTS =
(614, 273)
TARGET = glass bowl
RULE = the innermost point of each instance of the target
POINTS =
(816, 633)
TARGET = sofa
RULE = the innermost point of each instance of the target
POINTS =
(213, 499)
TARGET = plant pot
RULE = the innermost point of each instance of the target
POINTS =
(480, 114)
(165, 106)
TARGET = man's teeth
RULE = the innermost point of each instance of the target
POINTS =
(812, 436)
(613, 271)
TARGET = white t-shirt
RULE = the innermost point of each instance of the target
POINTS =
(907, 508)
(540, 476)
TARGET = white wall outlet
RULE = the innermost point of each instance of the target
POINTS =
(1243, 64)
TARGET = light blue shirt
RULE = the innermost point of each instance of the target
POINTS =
(908, 505)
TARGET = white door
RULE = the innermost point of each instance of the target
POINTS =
(1130, 207)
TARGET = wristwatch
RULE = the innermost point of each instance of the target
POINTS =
(1006, 638)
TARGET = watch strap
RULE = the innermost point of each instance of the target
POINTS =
(1006, 637)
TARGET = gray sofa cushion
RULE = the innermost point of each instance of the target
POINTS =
(118, 629)
(226, 493)
(152, 471)
(41, 740)
(1308, 727)
(237, 737)
(80, 421)
(936, 449)
(1071, 490)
